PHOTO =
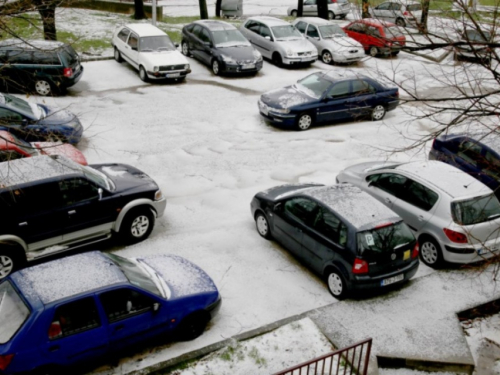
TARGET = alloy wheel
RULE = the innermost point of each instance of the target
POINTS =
(6, 266)
(305, 122)
(43, 87)
(262, 226)
(215, 67)
(378, 113)
(326, 57)
(429, 252)
(335, 284)
(139, 226)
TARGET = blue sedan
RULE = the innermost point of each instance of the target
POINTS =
(71, 311)
(325, 97)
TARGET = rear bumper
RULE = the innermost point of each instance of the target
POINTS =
(470, 254)
(214, 308)
(367, 282)
(392, 105)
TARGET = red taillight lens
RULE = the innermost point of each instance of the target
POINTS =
(360, 266)
(68, 72)
(456, 237)
(406, 13)
(414, 253)
(5, 360)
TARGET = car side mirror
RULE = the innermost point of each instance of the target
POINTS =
(99, 192)
(134, 48)
(156, 306)
(208, 44)
(371, 183)
(268, 38)
(277, 207)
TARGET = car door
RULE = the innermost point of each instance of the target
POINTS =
(394, 12)
(385, 187)
(205, 47)
(357, 31)
(382, 11)
(301, 26)
(131, 316)
(333, 105)
(195, 42)
(312, 35)
(266, 40)
(132, 50)
(363, 98)
(74, 333)
(22, 72)
(310, 8)
(121, 40)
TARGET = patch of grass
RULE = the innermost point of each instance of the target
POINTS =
(255, 355)
(25, 26)
(177, 20)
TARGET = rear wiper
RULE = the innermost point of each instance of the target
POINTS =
(491, 217)
(400, 245)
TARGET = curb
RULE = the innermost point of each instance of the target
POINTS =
(97, 58)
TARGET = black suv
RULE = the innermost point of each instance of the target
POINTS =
(51, 204)
(39, 66)
(341, 233)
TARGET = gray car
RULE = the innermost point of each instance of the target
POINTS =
(336, 8)
(401, 12)
(279, 41)
(455, 217)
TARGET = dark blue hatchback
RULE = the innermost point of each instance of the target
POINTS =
(76, 309)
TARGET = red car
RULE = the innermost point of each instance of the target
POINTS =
(12, 148)
(377, 37)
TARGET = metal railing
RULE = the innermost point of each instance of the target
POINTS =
(352, 360)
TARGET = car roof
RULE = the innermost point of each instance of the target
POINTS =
(32, 44)
(21, 171)
(69, 276)
(448, 179)
(315, 21)
(145, 29)
(214, 25)
(342, 74)
(374, 22)
(269, 21)
(360, 209)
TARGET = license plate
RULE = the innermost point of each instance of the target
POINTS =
(263, 108)
(248, 66)
(392, 280)
(173, 75)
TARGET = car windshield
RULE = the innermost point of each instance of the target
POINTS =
(384, 239)
(31, 110)
(13, 312)
(70, 54)
(392, 32)
(331, 31)
(156, 43)
(475, 36)
(229, 38)
(414, 7)
(313, 85)
(476, 210)
(286, 32)
(92, 174)
(134, 273)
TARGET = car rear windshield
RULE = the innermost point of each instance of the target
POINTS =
(70, 55)
(229, 38)
(286, 32)
(476, 210)
(13, 312)
(384, 239)
(476, 36)
(156, 43)
(414, 7)
(331, 31)
(392, 32)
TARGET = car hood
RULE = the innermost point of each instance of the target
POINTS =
(278, 192)
(342, 44)
(126, 177)
(183, 277)
(239, 53)
(162, 58)
(58, 116)
(287, 97)
(59, 148)
(298, 45)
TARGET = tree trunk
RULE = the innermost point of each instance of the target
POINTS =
(218, 5)
(139, 10)
(323, 9)
(300, 8)
(365, 9)
(203, 10)
(425, 14)
(48, 14)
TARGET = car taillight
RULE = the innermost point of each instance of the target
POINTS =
(68, 72)
(456, 237)
(397, 94)
(414, 253)
(406, 13)
(5, 360)
(360, 266)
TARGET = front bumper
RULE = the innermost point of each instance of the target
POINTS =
(300, 60)
(367, 282)
(242, 68)
(159, 206)
(347, 57)
(276, 118)
(174, 74)
(214, 308)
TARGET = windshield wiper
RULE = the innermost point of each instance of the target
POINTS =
(494, 216)
(146, 50)
(164, 48)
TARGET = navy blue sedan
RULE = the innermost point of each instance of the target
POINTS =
(325, 97)
(71, 311)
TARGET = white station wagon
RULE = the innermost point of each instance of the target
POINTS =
(150, 51)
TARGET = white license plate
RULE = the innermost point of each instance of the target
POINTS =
(392, 280)
(248, 66)
(263, 108)
(173, 75)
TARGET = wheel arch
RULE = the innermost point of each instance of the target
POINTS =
(339, 267)
(13, 240)
(143, 202)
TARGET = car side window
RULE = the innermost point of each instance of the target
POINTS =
(340, 90)
(46, 58)
(197, 30)
(374, 31)
(9, 117)
(74, 317)
(33, 199)
(133, 41)
(21, 57)
(331, 227)
(357, 28)
(310, 2)
(360, 87)
(205, 36)
(418, 195)
(312, 31)
(302, 208)
(123, 34)
(470, 152)
(301, 26)
(395, 6)
(265, 31)
(384, 6)
(391, 183)
(123, 303)
(77, 190)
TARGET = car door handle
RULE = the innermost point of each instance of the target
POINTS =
(54, 348)
(388, 200)
(72, 212)
(23, 224)
(119, 328)
(420, 218)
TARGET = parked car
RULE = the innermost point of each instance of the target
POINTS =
(331, 41)
(52, 204)
(476, 154)
(38, 66)
(340, 232)
(221, 46)
(71, 311)
(35, 122)
(12, 148)
(279, 41)
(327, 96)
(454, 216)
(336, 8)
(149, 50)
(401, 12)
(475, 46)
(377, 37)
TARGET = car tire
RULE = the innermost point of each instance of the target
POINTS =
(43, 87)
(262, 226)
(142, 74)
(343, 16)
(326, 57)
(378, 112)
(373, 51)
(430, 252)
(304, 121)
(277, 59)
(192, 326)
(395, 53)
(215, 67)
(10, 261)
(185, 49)
(400, 22)
(117, 55)
(137, 225)
(337, 284)
(294, 13)
(331, 15)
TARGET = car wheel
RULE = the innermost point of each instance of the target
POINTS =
(430, 253)
(262, 226)
(137, 225)
(215, 67)
(395, 53)
(9, 262)
(400, 22)
(331, 15)
(277, 60)
(373, 51)
(378, 112)
(192, 326)
(342, 17)
(304, 121)
(294, 13)
(326, 57)
(185, 49)
(43, 87)
(142, 74)
(118, 56)
(336, 284)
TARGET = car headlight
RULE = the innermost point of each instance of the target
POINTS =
(158, 195)
(290, 53)
(257, 55)
(156, 69)
(228, 59)
(284, 111)
(186, 66)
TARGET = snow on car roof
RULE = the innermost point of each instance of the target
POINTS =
(25, 170)
(314, 20)
(269, 21)
(32, 44)
(145, 29)
(353, 204)
(339, 74)
(445, 177)
(374, 22)
(69, 276)
(216, 25)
